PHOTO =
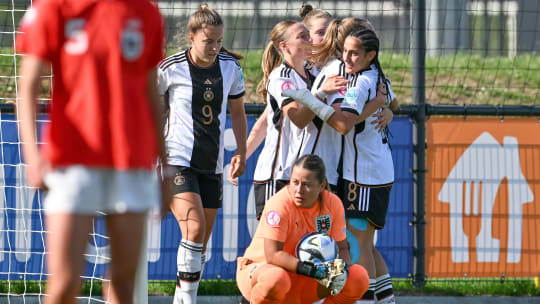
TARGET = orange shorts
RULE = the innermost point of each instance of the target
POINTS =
(301, 289)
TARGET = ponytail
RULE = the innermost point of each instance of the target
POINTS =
(236, 55)
(271, 56)
(270, 60)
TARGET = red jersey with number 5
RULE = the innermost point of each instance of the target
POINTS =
(101, 54)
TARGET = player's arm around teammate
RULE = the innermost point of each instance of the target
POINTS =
(268, 267)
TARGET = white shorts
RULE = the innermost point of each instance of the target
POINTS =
(85, 191)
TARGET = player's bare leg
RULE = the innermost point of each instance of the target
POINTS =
(188, 211)
(210, 217)
(125, 251)
(66, 243)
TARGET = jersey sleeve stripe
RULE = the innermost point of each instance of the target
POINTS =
(178, 56)
(349, 110)
(235, 96)
(286, 101)
(337, 100)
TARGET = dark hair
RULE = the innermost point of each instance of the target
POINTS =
(370, 42)
(332, 44)
(207, 16)
(308, 13)
(314, 164)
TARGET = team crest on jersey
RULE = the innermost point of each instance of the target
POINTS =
(132, 40)
(323, 223)
(179, 180)
(208, 95)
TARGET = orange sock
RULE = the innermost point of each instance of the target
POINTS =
(357, 284)
(271, 287)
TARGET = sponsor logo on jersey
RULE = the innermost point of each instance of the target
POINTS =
(323, 223)
(287, 85)
(272, 218)
(351, 207)
(207, 81)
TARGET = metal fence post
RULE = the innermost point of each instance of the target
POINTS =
(419, 98)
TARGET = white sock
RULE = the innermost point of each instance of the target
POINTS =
(369, 296)
(189, 266)
(383, 290)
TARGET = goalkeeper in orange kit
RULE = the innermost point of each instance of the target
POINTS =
(266, 272)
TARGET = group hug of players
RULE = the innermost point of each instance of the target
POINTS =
(325, 167)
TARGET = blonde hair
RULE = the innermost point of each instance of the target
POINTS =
(332, 44)
(272, 57)
(308, 14)
(206, 16)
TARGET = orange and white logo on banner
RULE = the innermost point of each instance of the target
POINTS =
(483, 197)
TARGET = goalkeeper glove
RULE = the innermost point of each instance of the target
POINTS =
(304, 96)
(312, 270)
(337, 276)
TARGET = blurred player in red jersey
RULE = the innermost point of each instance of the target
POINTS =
(104, 137)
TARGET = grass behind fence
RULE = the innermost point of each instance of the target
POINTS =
(402, 287)
(450, 79)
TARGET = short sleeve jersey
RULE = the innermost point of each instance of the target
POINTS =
(197, 99)
(367, 158)
(101, 114)
(283, 137)
(285, 222)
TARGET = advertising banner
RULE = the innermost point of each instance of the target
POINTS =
(483, 197)
(22, 228)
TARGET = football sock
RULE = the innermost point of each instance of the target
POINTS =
(383, 290)
(189, 272)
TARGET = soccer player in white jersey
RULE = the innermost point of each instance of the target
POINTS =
(321, 139)
(368, 170)
(316, 20)
(197, 84)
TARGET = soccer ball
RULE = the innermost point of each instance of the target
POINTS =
(317, 248)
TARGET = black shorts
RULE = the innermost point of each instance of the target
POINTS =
(208, 186)
(369, 202)
(264, 191)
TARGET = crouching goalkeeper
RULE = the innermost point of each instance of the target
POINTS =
(269, 272)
